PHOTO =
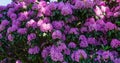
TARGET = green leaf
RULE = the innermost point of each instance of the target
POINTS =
(1, 49)
(118, 23)
(118, 49)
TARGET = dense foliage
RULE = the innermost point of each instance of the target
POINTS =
(63, 31)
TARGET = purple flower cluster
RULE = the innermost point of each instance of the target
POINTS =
(31, 36)
(58, 24)
(72, 45)
(55, 54)
(34, 50)
(79, 54)
(57, 34)
(64, 31)
(99, 25)
(105, 55)
(115, 43)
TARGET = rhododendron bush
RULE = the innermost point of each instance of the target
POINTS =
(63, 31)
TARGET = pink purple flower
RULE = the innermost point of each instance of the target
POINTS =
(57, 34)
(45, 27)
(53, 6)
(79, 4)
(79, 54)
(60, 5)
(55, 54)
(35, 6)
(118, 1)
(106, 55)
(83, 43)
(92, 41)
(46, 10)
(58, 24)
(61, 46)
(22, 30)
(45, 52)
(5, 22)
(18, 61)
(117, 60)
(73, 31)
(2, 28)
(31, 23)
(115, 43)
(34, 50)
(66, 10)
(31, 36)
(71, 45)
(110, 26)
(10, 37)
